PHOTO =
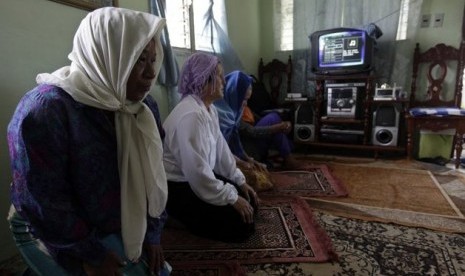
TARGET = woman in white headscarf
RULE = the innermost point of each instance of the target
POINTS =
(89, 187)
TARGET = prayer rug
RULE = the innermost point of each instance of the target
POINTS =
(285, 232)
(208, 268)
(393, 188)
(314, 181)
(373, 248)
(397, 191)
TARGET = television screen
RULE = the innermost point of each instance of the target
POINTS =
(340, 51)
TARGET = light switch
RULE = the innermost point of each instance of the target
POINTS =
(425, 20)
(438, 20)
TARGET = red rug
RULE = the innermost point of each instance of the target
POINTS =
(314, 181)
(285, 232)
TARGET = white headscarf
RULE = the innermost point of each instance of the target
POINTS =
(106, 46)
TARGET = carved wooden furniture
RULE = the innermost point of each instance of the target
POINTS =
(275, 74)
(436, 92)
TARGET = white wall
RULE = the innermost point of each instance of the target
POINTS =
(451, 31)
(244, 31)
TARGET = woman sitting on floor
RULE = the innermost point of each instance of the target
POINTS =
(207, 192)
(242, 129)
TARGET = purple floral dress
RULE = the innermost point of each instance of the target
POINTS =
(65, 174)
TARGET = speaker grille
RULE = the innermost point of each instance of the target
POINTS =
(384, 136)
(386, 125)
(304, 114)
(386, 116)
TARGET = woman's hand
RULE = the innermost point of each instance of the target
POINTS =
(155, 257)
(283, 127)
(259, 166)
(245, 209)
(286, 126)
(246, 164)
(250, 195)
(111, 266)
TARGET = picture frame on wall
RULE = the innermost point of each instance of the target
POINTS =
(88, 4)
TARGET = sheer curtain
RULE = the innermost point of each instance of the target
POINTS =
(214, 30)
(210, 32)
(169, 73)
(392, 57)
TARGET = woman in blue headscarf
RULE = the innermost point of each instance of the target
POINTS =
(238, 89)
(268, 132)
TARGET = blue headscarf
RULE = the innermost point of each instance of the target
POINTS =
(230, 108)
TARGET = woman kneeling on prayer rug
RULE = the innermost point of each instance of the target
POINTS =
(207, 192)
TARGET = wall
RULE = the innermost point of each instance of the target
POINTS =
(450, 32)
(267, 50)
(246, 43)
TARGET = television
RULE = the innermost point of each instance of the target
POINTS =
(341, 51)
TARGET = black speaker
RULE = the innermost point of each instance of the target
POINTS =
(304, 123)
(386, 125)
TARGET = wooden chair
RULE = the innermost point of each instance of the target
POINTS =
(275, 74)
(438, 106)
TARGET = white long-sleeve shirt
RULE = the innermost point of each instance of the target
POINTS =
(194, 148)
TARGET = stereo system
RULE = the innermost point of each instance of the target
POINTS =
(385, 92)
(342, 99)
(342, 103)
(386, 125)
(304, 123)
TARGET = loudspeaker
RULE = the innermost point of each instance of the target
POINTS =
(386, 125)
(304, 123)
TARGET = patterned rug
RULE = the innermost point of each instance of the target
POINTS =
(408, 193)
(373, 248)
(363, 248)
(403, 217)
(393, 188)
(285, 232)
(315, 181)
(208, 268)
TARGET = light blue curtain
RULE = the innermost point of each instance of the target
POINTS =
(169, 73)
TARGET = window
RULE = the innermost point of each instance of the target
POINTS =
(189, 23)
(284, 25)
(295, 20)
(178, 22)
(403, 20)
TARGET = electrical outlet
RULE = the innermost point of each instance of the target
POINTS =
(425, 20)
(438, 20)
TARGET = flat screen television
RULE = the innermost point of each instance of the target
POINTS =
(341, 51)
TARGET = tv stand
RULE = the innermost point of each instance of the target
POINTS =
(354, 131)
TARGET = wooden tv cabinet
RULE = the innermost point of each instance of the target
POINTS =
(355, 131)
